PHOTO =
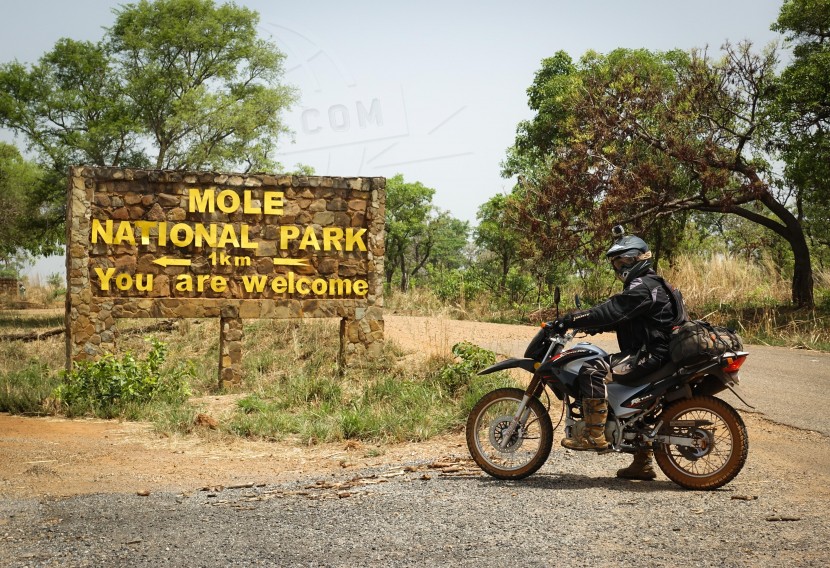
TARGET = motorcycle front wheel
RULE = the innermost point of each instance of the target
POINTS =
(527, 448)
(721, 444)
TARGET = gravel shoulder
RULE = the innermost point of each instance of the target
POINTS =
(91, 493)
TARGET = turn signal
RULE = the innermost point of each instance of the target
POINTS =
(734, 363)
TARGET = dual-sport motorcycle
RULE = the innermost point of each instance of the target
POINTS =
(699, 441)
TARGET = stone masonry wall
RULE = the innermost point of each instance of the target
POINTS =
(170, 244)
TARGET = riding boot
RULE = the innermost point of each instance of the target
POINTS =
(595, 411)
(640, 468)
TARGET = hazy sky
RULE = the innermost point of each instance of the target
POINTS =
(429, 89)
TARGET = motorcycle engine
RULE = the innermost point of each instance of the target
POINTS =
(612, 431)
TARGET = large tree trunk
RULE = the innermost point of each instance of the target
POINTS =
(802, 288)
(404, 273)
(791, 230)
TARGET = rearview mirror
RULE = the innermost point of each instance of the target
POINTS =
(578, 302)
(557, 295)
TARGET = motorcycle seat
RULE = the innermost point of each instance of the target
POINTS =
(666, 370)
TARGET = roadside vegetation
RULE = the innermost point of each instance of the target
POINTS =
(718, 162)
(292, 388)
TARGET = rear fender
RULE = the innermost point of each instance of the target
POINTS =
(715, 381)
(528, 365)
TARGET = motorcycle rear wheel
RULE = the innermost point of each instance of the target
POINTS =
(528, 448)
(723, 445)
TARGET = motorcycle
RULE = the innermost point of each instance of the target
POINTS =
(699, 441)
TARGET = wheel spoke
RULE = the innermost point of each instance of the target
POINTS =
(716, 445)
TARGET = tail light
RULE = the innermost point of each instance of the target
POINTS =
(732, 364)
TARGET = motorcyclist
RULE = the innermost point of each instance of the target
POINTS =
(642, 315)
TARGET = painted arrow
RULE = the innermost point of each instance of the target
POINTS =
(164, 261)
(291, 262)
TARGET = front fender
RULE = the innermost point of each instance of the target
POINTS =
(528, 365)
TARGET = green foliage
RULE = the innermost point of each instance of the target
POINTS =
(23, 213)
(473, 359)
(177, 84)
(55, 280)
(801, 104)
(110, 386)
(634, 135)
(387, 402)
(456, 286)
(26, 390)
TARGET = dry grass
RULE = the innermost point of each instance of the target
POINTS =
(718, 281)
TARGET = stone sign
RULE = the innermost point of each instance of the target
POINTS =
(173, 244)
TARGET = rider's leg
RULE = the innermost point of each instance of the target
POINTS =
(641, 468)
(592, 378)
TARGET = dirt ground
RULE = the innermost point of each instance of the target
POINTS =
(58, 457)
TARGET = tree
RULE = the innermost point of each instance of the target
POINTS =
(22, 217)
(178, 84)
(201, 83)
(640, 135)
(445, 241)
(407, 211)
(802, 103)
(496, 234)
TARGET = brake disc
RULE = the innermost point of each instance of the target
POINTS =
(704, 443)
(498, 428)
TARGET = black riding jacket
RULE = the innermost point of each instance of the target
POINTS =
(642, 315)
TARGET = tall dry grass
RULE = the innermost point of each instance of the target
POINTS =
(713, 282)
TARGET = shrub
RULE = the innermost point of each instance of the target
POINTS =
(25, 391)
(113, 387)
(473, 359)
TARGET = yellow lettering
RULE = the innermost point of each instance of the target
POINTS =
(339, 287)
(319, 286)
(124, 281)
(184, 283)
(254, 283)
(218, 284)
(103, 232)
(144, 227)
(279, 285)
(361, 287)
(105, 277)
(221, 201)
(245, 242)
(309, 238)
(302, 285)
(288, 234)
(273, 203)
(144, 282)
(355, 238)
(205, 235)
(163, 233)
(332, 237)
(228, 237)
(203, 203)
(124, 233)
(200, 282)
(181, 235)
(248, 207)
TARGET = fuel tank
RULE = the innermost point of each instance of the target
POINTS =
(565, 366)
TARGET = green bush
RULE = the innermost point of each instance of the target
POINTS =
(111, 387)
(26, 390)
(455, 376)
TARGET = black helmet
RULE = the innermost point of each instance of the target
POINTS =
(629, 256)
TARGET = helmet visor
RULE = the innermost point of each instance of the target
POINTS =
(622, 263)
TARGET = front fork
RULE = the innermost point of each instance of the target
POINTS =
(534, 389)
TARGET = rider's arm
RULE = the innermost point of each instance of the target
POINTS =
(624, 306)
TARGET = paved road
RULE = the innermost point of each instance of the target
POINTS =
(788, 386)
